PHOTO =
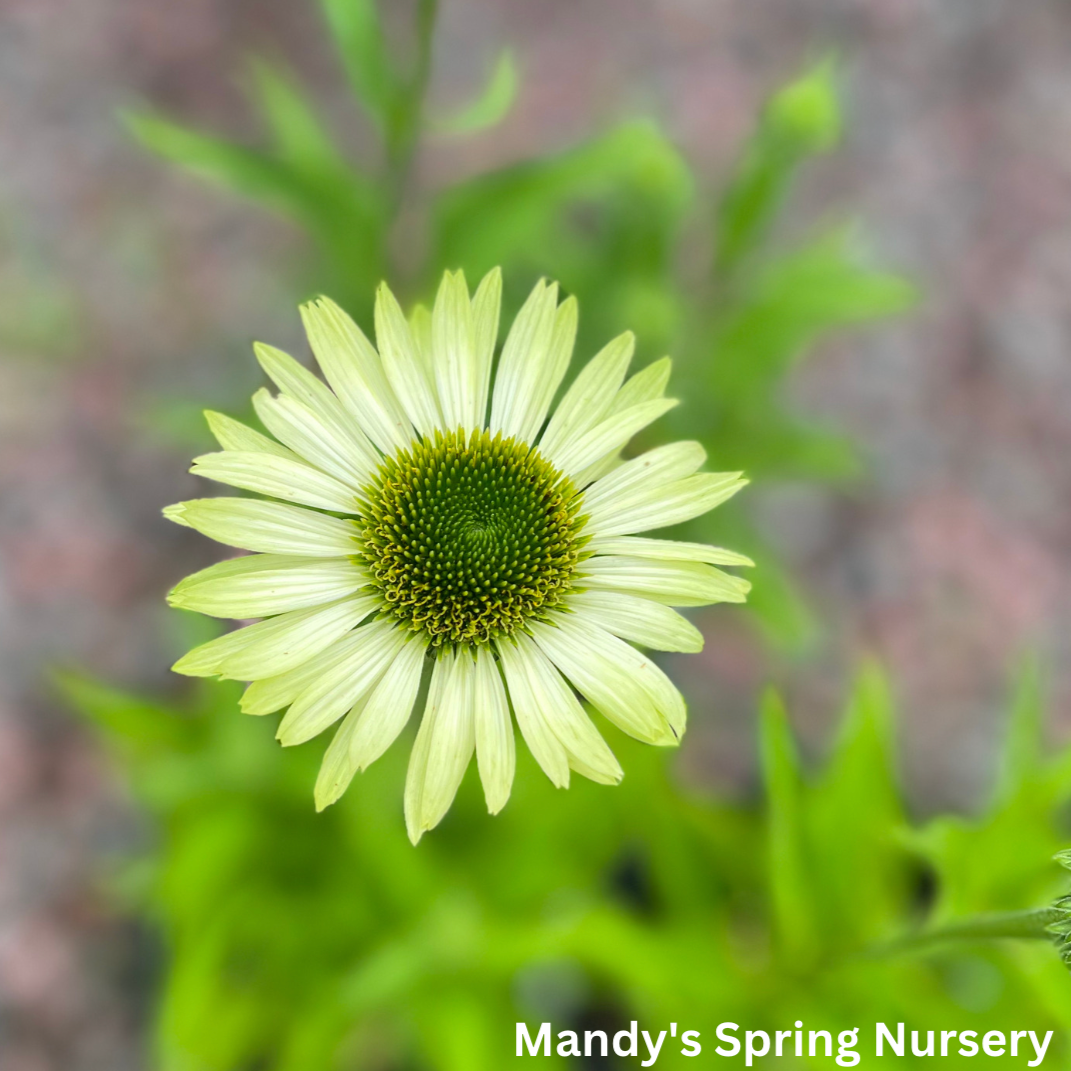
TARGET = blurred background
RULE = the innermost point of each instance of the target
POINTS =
(130, 291)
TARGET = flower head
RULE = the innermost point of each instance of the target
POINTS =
(422, 516)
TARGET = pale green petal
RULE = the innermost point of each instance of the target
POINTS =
(278, 644)
(233, 435)
(607, 672)
(452, 741)
(652, 469)
(355, 373)
(404, 368)
(336, 768)
(372, 725)
(453, 348)
(661, 506)
(588, 400)
(669, 549)
(299, 427)
(387, 710)
(526, 370)
(273, 693)
(420, 325)
(676, 583)
(486, 308)
(646, 385)
(495, 748)
(270, 527)
(607, 437)
(637, 620)
(418, 757)
(369, 650)
(277, 477)
(588, 752)
(523, 685)
(443, 746)
(297, 382)
(261, 585)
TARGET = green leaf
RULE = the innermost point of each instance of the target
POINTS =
(491, 106)
(787, 850)
(795, 300)
(855, 817)
(800, 120)
(138, 725)
(358, 36)
(299, 137)
(245, 171)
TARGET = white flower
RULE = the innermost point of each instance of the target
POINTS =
(441, 524)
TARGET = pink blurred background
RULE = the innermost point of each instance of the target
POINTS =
(122, 281)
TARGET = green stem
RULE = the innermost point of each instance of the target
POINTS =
(1029, 925)
(407, 115)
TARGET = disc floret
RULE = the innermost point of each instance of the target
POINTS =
(467, 537)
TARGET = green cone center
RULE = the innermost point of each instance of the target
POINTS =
(467, 538)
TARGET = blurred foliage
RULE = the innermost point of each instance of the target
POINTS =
(617, 220)
(301, 941)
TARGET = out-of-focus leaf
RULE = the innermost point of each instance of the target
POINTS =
(790, 884)
(800, 120)
(491, 106)
(358, 36)
(518, 215)
(137, 724)
(855, 817)
(819, 287)
(299, 137)
(242, 170)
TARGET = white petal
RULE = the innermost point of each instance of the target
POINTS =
(260, 585)
(303, 431)
(277, 477)
(607, 437)
(660, 506)
(608, 673)
(453, 348)
(232, 434)
(444, 744)
(369, 650)
(522, 683)
(270, 527)
(652, 469)
(388, 708)
(637, 620)
(486, 307)
(273, 693)
(646, 385)
(277, 645)
(403, 366)
(352, 367)
(496, 756)
(298, 383)
(588, 400)
(668, 549)
(674, 583)
(532, 365)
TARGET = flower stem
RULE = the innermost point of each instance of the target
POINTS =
(1032, 924)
